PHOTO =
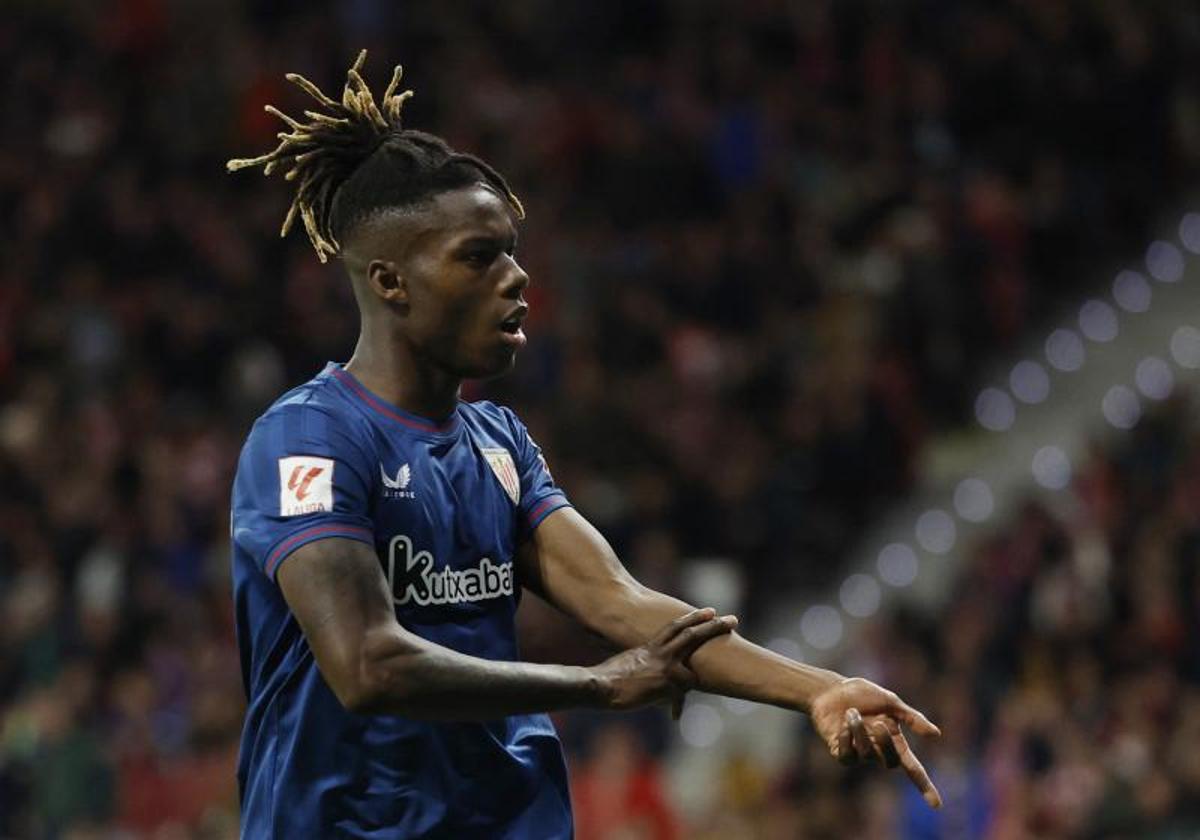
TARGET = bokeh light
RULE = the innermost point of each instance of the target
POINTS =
(973, 500)
(821, 626)
(1131, 290)
(1153, 378)
(1064, 350)
(1164, 262)
(935, 531)
(700, 725)
(1029, 382)
(860, 595)
(1185, 347)
(1189, 232)
(1098, 321)
(1051, 468)
(897, 564)
(1121, 407)
(994, 410)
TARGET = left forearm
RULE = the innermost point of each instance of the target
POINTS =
(570, 563)
(731, 665)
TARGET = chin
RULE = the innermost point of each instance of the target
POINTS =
(492, 368)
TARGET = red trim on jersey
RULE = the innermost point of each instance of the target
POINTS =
(543, 508)
(286, 547)
(379, 405)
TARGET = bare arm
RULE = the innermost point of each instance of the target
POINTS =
(336, 590)
(569, 563)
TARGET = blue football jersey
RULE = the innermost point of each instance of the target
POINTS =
(445, 507)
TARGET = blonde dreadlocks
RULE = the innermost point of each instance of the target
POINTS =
(353, 160)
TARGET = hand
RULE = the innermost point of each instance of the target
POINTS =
(861, 722)
(658, 670)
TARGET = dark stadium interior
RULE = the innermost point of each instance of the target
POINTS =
(775, 248)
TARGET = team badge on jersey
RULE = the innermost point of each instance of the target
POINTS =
(305, 485)
(501, 462)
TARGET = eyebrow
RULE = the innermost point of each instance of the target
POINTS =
(488, 239)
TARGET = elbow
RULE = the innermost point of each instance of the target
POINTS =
(359, 697)
(376, 681)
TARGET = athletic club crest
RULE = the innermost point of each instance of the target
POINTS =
(502, 465)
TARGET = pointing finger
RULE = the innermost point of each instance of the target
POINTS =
(915, 770)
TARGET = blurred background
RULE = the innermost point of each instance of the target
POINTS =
(872, 320)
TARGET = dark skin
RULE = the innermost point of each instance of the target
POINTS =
(434, 287)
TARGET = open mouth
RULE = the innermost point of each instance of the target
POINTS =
(511, 326)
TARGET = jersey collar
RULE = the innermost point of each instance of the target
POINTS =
(379, 406)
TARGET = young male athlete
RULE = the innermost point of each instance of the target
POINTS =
(383, 531)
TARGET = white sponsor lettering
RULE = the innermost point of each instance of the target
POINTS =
(413, 578)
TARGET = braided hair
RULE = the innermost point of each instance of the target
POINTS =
(353, 160)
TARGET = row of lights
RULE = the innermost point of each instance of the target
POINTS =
(897, 564)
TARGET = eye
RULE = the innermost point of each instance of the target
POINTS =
(479, 259)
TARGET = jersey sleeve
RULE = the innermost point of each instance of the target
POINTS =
(540, 496)
(302, 477)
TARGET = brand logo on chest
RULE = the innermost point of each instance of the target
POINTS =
(397, 488)
(414, 579)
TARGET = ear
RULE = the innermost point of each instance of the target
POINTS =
(387, 282)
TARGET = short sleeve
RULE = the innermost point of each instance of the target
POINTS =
(540, 496)
(301, 477)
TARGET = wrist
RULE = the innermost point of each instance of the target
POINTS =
(599, 690)
(819, 682)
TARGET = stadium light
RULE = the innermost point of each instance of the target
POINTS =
(1051, 468)
(821, 626)
(1164, 262)
(1131, 291)
(1029, 382)
(935, 531)
(1153, 378)
(1121, 407)
(1189, 232)
(973, 500)
(897, 564)
(1185, 345)
(1098, 321)
(1064, 350)
(860, 595)
(994, 410)
(700, 725)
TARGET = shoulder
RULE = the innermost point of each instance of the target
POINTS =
(311, 415)
(488, 416)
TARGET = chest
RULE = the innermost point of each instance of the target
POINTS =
(445, 523)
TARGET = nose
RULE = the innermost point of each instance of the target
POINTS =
(515, 280)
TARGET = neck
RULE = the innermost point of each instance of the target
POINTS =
(387, 366)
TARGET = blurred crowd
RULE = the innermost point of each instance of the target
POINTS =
(774, 246)
(1064, 674)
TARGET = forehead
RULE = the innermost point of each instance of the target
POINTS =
(476, 209)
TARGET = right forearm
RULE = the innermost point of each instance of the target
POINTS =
(435, 683)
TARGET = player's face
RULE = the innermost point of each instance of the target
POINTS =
(465, 304)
